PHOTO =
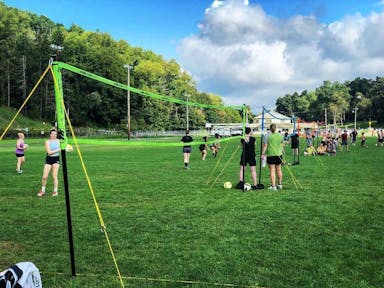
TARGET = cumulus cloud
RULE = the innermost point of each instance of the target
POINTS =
(247, 56)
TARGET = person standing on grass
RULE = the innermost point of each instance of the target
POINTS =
(344, 141)
(353, 136)
(295, 146)
(363, 139)
(273, 150)
(248, 156)
(203, 148)
(187, 148)
(52, 163)
(20, 147)
(380, 137)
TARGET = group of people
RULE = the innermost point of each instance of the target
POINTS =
(272, 153)
(203, 147)
(52, 160)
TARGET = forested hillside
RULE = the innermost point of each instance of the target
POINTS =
(25, 49)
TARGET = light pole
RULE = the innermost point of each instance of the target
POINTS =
(187, 112)
(128, 67)
(355, 111)
(58, 49)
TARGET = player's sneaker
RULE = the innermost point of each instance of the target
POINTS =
(279, 186)
(41, 193)
(240, 185)
(272, 188)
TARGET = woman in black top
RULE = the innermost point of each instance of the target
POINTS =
(203, 148)
(187, 148)
(248, 156)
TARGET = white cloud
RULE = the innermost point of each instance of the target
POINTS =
(247, 56)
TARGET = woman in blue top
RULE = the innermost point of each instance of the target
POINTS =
(52, 162)
(20, 147)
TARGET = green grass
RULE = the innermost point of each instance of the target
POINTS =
(167, 226)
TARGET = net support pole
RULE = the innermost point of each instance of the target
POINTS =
(63, 142)
(244, 122)
(261, 143)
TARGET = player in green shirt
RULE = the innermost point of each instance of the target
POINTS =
(273, 151)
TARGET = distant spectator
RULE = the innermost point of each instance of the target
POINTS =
(321, 150)
(353, 137)
(310, 151)
(380, 137)
(344, 141)
(363, 139)
(203, 148)
(215, 146)
(187, 149)
(295, 146)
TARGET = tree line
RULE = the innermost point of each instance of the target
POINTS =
(341, 102)
(28, 41)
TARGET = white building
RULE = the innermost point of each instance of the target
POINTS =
(272, 117)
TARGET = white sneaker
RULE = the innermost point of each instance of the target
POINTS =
(272, 188)
(279, 186)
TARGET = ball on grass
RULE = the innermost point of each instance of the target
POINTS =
(227, 185)
(69, 148)
(247, 187)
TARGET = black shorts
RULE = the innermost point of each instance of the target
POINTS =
(19, 155)
(344, 142)
(274, 160)
(381, 141)
(187, 149)
(202, 147)
(50, 160)
(248, 160)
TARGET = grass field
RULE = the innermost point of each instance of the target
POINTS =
(168, 228)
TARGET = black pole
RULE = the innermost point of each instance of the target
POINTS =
(261, 149)
(243, 165)
(298, 151)
(68, 206)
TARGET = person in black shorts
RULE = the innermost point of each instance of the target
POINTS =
(203, 148)
(344, 140)
(187, 148)
(295, 146)
(248, 156)
(52, 163)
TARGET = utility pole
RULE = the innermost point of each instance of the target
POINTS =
(325, 116)
(187, 113)
(9, 86)
(355, 116)
(24, 83)
(128, 67)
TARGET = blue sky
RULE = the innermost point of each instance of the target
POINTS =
(265, 48)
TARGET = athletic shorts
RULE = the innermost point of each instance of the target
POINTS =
(381, 141)
(248, 160)
(50, 160)
(344, 143)
(274, 160)
(19, 155)
(187, 149)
